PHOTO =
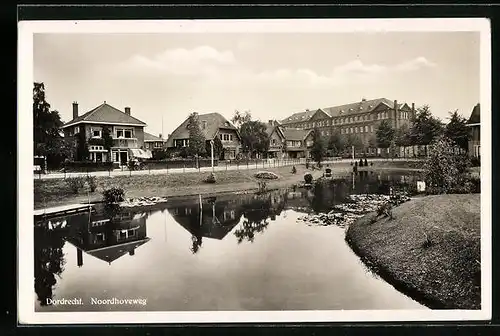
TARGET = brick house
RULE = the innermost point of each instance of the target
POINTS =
(126, 131)
(153, 142)
(359, 118)
(212, 125)
(474, 123)
(276, 140)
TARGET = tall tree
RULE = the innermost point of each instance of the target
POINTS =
(240, 118)
(385, 134)
(82, 149)
(196, 146)
(47, 137)
(425, 127)
(254, 137)
(457, 130)
(336, 143)
(318, 149)
(218, 148)
(354, 140)
(402, 137)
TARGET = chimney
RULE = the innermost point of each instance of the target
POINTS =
(271, 122)
(159, 136)
(75, 110)
(168, 136)
(127, 110)
(363, 99)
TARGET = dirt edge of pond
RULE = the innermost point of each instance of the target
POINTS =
(444, 275)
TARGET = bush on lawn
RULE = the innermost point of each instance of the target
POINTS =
(308, 178)
(75, 183)
(113, 195)
(266, 175)
(210, 178)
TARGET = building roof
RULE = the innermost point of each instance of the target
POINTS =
(151, 137)
(105, 113)
(298, 117)
(335, 111)
(114, 252)
(296, 134)
(213, 122)
(475, 117)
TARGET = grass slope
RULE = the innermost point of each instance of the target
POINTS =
(444, 275)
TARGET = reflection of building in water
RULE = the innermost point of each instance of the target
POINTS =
(108, 238)
(215, 220)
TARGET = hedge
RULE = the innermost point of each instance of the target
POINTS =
(83, 166)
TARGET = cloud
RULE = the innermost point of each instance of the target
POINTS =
(415, 64)
(203, 60)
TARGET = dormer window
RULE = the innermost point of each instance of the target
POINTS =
(204, 124)
(350, 110)
(226, 123)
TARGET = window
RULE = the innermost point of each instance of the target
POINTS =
(96, 133)
(230, 137)
(361, 129)
(204, 124)
(274, 142)
(220, 136)
(77, 129)
(322, 133)
(355, 130)
(157, 144)
(366, 129)
(371, 128)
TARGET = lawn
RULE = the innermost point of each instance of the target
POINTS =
(54, 192)
(431, 250)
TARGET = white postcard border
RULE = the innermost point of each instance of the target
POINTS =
(26, 295)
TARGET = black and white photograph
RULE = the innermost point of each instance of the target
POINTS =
(254, 171)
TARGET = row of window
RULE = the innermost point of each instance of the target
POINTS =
(360, 129)
(226, 137)
(126, 133)
(348, 120)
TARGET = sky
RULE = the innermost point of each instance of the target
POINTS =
(164, 77)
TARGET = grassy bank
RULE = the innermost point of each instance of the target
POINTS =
(430, 251)
(55, 192)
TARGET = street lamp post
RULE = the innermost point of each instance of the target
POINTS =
(212, 150)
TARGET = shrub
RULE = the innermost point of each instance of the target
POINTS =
(266, 175)
(210, 178)
(113, 195)
(445, 171)
(308, 178)
(366, 163)
(75, 183)
(92, 182)
(294, 170)
(476, 162)
(361, 164)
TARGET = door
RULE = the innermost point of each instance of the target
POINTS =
(98, 157)
(123, 158)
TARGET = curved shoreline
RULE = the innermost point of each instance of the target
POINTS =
(441, 276)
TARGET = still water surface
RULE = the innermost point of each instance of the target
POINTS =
(238, 252)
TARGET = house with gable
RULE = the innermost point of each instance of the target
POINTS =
(153, 142)
(298, 143)
(126, 132)
(212, 125)
(276, 140)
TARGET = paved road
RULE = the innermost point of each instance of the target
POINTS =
(222, 167)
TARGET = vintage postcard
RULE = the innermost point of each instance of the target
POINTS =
(254, 171)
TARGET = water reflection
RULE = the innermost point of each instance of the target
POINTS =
(110, 234)
(106, 234)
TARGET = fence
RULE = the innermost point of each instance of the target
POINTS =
(172, 167)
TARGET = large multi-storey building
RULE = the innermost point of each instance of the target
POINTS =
(359, 119)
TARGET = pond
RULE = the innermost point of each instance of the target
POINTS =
(232, 252)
